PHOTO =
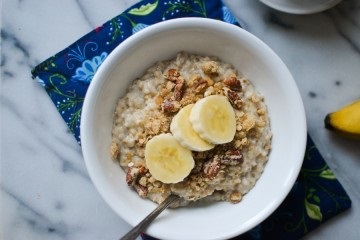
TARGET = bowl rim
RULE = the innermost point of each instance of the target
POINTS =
(301, 8)
(108, 65)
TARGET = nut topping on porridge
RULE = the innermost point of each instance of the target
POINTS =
(234, 98)
(200, 85)
(233, 83)
(212, 167)
(169, 106)
(210, 67)
(191, 126)
(232, 158)
(133, 174)
(173, 75)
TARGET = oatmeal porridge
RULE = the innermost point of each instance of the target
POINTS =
(222, 171)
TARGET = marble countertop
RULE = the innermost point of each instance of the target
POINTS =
(46, 192)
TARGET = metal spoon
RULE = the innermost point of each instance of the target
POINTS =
(134, 233)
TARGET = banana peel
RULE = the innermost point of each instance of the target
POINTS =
(345, 121)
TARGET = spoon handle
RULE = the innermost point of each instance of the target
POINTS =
(134, 233)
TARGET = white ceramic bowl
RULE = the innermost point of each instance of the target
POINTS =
(301, 6)
(251, 57)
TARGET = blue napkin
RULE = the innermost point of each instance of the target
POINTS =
(316, 196)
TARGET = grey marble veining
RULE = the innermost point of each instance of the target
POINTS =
(46, 192)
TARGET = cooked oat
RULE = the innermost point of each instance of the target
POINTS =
(224, 173)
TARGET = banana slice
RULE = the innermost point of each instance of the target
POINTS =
(167, 160)
(183, 131)
(345, 121)
(213, 118)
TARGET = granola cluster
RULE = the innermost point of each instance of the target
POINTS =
(226, 172)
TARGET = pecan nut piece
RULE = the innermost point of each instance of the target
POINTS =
(212, 167)
(179, 89)
(169, 106)
(234, 98)
(172, 75)
(133, 174)
(232, 158)
(233, 83)
(141, 190)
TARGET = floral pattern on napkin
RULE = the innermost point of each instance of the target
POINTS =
(316, 196)
(66, 76)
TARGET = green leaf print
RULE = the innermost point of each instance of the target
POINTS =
(328, 174)
(46, 65)
(70, 104)
(144, 9)
(316, 199)
(175, 7)
(115, 30)
(313, 211)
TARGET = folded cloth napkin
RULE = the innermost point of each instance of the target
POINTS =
(316, 196)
